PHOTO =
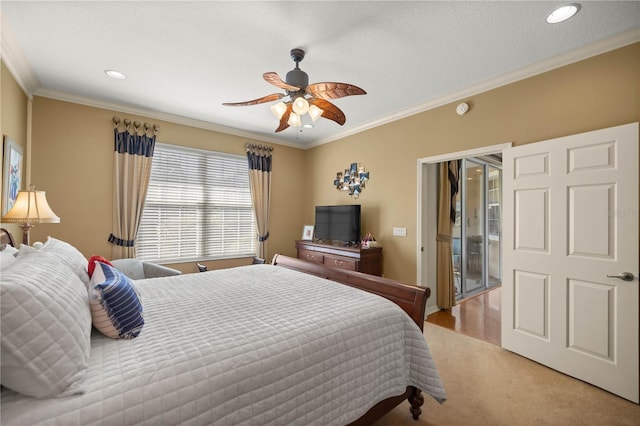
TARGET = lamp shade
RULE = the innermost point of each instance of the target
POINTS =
(294, 120)
(31, 207)
(278, 109)
(300, 106)
(315, 112)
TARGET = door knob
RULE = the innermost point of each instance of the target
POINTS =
(624, 276)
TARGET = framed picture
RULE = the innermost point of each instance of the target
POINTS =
(307, 232)
(11, 173)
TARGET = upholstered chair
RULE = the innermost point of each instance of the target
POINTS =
(138, 269)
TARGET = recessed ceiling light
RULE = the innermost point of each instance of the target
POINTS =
(115, 74)
(308, 126)
(563, 13)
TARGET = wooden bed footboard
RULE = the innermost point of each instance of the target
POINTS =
(412, 299)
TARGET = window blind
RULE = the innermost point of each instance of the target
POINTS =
(198, 207)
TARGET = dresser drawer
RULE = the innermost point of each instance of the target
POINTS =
(340, 262)
(337, 255)
(310, 256)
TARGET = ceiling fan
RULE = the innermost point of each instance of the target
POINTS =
(304, 97)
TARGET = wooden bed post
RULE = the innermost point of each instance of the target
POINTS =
(416, 400)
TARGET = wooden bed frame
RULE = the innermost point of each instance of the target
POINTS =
(412, 300)
(6, 238)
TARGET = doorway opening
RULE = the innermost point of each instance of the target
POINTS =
(476, 244)
(427, 215)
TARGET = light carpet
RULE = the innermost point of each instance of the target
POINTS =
(487, 385)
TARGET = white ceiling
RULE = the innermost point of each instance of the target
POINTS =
(184, 59)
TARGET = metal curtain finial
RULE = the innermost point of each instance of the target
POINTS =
(147, 127)
(257, 147)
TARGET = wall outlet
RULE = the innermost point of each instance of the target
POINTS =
(399, 232)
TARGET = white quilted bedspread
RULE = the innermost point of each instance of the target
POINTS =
(256, 345)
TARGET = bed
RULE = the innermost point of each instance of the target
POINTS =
(268, 344)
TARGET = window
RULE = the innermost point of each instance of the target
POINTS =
(198, 207)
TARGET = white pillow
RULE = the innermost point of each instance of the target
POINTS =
(46, 327)
(8, 256)
(65, 252)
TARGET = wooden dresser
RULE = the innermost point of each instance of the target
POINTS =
(358, 259)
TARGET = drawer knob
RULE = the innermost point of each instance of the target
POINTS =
(338, 262)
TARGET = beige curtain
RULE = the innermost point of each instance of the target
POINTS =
(133, 153)
(448, 188)
(260, 162)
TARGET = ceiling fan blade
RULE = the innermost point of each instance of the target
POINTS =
(268, 98)
(273, 78)
(329, 110)
(283, 120)
(330, 90)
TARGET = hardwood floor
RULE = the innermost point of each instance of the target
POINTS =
(477, 316)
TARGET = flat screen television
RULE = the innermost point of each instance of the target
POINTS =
(338, 223)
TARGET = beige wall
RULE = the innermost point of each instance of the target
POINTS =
(595, 93)
(72, 153)
(13, 123)
(73, 161)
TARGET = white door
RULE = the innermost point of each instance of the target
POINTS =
(570, 220)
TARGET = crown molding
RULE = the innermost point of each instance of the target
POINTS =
(17, 64)
(171, 118)
(13, 57)
(576, 55)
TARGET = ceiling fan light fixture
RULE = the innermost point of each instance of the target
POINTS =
(563, 13)
(303, 97)
(294, 120)
(278, 109)
(315, 113)
(300, 105)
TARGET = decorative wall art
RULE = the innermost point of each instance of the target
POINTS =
(352, 180)
(11, 173)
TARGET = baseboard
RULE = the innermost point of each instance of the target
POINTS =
(430, 310)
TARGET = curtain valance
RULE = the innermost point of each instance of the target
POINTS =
(138, 139)
(259, 157)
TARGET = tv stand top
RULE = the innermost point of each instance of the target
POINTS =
(336, 243)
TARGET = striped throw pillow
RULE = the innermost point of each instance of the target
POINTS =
(116, 310)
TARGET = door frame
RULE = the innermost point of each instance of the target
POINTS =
(427, 214)
(463, 189)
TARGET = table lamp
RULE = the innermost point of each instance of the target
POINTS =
(30, 207)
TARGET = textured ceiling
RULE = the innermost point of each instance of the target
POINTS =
(184, 59)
